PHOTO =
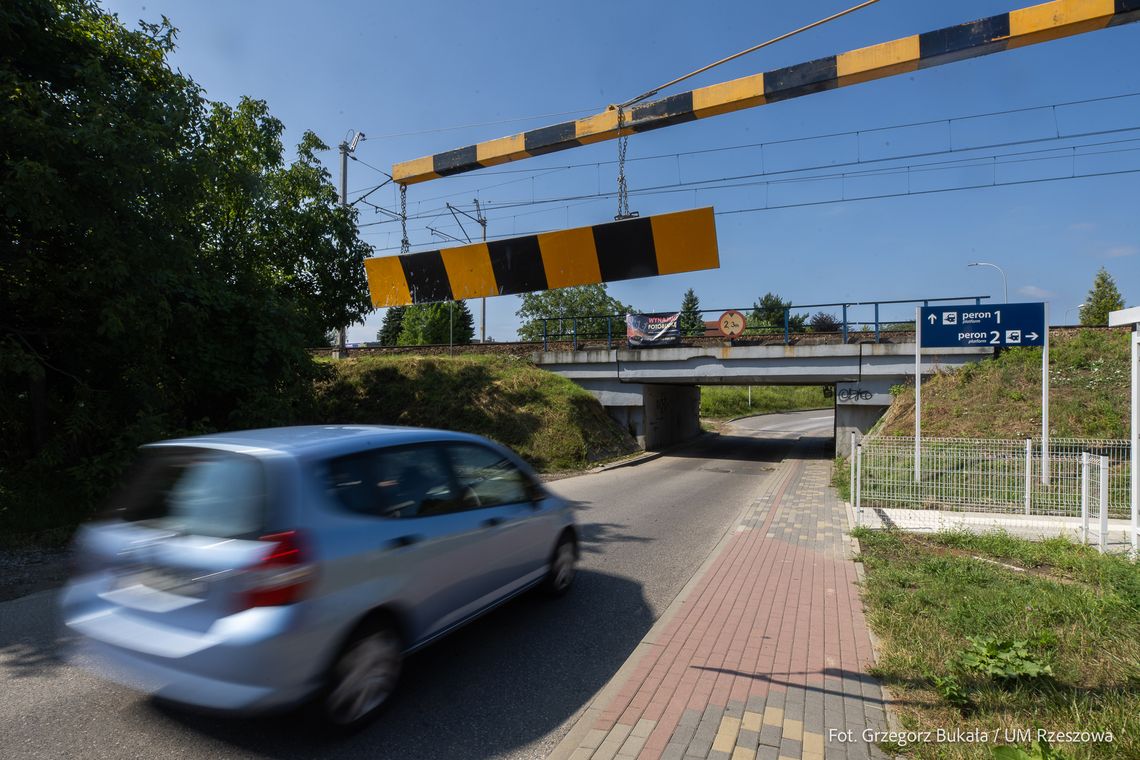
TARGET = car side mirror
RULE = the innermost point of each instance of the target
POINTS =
(535, 492)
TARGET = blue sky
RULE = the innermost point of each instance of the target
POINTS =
(407, 74)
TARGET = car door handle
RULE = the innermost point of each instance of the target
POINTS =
(493, 521)
(402, 541)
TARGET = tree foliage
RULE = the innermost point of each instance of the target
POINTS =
(437, 323)
(163, 266)
(389, 332)
(1103, 298)
(768, 314)
(691, 322)
(824, 322)
(565, 304)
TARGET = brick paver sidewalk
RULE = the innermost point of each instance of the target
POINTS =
(762, 655)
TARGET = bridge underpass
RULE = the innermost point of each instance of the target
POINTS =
(655, 394)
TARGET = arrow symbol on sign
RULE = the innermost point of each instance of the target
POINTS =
(1031, 336)
(932, 319)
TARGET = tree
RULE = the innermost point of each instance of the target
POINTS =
(823, 322)
(564, 304)
(690, 321)
(437, 323)
(1103, 298)
(389, 332)
(768, 313)
(163, 266)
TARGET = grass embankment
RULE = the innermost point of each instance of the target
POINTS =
(547, 419)
(1001, 397)
(1075, 612)
(724, 402)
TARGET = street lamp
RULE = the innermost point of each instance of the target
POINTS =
(1004, 288)
(1078, 307)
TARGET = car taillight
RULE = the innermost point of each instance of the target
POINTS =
(282, 575)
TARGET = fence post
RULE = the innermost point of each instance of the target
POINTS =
(545, 347)
(785, 325)
(1028, 472)
(574, 327)
(1085, 497)
(877, 322)
(851, 461)
(859, 485)
(609, 332)
(1103, 504)
(845, 324)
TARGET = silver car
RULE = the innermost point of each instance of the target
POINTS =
(257, 570)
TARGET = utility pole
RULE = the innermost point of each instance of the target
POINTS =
(345, 150)
(482, 220)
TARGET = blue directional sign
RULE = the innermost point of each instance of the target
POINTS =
(1002, 324)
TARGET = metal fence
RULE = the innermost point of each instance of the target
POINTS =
(995, 483)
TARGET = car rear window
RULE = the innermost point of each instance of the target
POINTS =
(194, 491)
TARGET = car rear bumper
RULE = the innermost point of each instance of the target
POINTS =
(253, 661)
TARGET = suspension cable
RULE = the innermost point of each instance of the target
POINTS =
(623, 189)
(752, 49)
(405, 246)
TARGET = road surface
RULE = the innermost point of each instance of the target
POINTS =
(508, 686)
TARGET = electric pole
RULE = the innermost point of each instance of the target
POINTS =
(482, 220)
(345, 150)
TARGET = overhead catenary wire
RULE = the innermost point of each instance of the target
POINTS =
(806, 173)
(804, 204)
(542, 172)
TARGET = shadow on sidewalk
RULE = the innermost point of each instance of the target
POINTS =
(863, 679)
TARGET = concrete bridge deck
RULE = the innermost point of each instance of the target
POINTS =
(654, 392)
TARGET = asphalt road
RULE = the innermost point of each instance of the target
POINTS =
(508, 686)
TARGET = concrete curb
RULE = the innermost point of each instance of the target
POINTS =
(648, 456)
(893, 722)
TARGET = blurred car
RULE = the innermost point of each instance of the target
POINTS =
(256, 570)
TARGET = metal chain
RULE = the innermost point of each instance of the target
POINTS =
(405, 246)
(623, 143)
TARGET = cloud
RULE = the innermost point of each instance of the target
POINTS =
(1032, 291)
(1120, 251)
(1082, 227)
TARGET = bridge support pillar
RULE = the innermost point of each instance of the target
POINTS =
(854, 418)
(656, 415)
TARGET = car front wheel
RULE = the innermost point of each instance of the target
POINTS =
(562, 567)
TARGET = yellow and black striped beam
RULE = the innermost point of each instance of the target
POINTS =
(684, 241)
(1027, 26)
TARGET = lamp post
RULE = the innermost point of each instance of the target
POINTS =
(1078, 307)
(1004, 288)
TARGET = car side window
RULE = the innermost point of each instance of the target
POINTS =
(486, 478)
(399, 482)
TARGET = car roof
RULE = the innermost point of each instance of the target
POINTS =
(316, 439)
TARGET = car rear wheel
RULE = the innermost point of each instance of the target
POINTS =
(561, 574)
(363, 678)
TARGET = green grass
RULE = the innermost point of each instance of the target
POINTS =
(1078, 612)
(723, 402)
(841, 478)
(551, 422)
(1001, 397)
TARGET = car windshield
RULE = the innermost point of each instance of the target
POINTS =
(195, 491)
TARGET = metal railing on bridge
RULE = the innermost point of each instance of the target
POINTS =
(611, 327)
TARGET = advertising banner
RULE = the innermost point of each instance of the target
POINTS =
(651, 330)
